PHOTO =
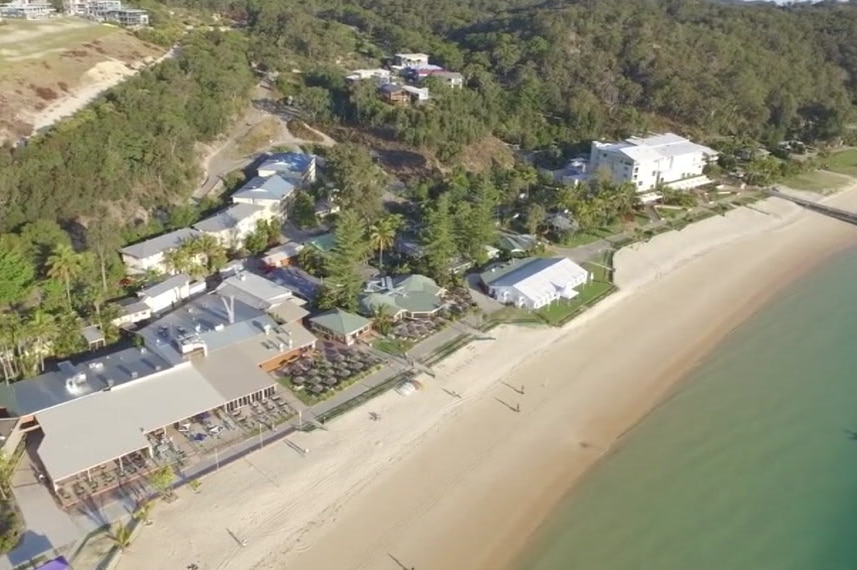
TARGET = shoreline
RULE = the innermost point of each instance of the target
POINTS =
(413, 489)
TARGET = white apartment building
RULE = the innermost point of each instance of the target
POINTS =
(27, 10)
(666, 159)
(232, 226)
(149, 255)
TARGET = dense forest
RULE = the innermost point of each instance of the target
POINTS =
(539, 75)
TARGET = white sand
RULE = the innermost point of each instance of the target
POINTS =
(101, 77)
(442, 483)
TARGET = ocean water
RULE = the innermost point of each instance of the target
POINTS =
(750, 465)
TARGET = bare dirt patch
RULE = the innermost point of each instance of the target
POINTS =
(45, 69)
(484, 154)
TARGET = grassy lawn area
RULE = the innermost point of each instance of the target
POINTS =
(818, 181)
(669, 212)
(395, 346)
(560, 312)
(259, 137)
(843, 162)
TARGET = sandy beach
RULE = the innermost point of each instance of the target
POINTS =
(441, 482)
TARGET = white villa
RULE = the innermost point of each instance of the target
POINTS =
(534, 282)
(232, 226)
(666, 159)
(296, 167)
(149, 255)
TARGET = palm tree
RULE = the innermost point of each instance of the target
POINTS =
(120, 536)
(43, 330)
(142, 512)
(207, 246)
(178, 260)
(64, 264)
(381, 320)
(10, 327)
(382, 234)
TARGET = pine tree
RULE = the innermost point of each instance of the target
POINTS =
(344, 282)
(439, 239)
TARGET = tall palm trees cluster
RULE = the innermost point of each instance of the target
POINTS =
(382, 235)
(47, 322)
(197, 257)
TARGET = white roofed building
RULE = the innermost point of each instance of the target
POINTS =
(666, 159)
(148, 255)
(232, 226)
(534, 282)
(297, 167)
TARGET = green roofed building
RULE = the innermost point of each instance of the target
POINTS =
(410, 296)
(324, 243)
(340, 326)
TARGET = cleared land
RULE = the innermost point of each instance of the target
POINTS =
(50, 69)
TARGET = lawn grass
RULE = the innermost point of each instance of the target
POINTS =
(843, 162)
(560, 312)
(669, 212)
(394, 346)
(818, 181)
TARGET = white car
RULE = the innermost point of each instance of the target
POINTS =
(214, 430)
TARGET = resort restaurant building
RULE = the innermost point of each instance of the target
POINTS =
(211, 354)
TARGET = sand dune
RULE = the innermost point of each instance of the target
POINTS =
(446, 483)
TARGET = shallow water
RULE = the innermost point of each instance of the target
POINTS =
(750, 465)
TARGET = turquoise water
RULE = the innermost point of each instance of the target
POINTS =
(749, 466)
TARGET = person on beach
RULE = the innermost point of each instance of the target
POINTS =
(518, 407)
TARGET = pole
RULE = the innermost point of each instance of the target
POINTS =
(216, 459)
(300, 420)
(260, 436)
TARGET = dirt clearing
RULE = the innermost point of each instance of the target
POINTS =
(51, 69)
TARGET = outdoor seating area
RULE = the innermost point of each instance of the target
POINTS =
(264, 414)
(104, 478)
(415, 330)
(459, 302)
(327, 369)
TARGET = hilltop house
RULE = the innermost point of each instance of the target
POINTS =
(297, 167)
(534, 282)
(271, 192)
(652, 161)
(27, 10)
(410, 60)
(148, 255)
(451, 79)
(232, 226)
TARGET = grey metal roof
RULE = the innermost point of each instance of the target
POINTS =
(274, 188)
(297, 281)
(254, 290)
(51, 388)
(160, 243)
(109, 424)
(132, 306)
(207, 317)
(288, 312)
(228, 218)
(288, 163)
(92, 334)
(165, 286)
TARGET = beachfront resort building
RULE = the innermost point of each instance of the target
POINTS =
(27, 10)
(297, 167)
(649, 162)
(534, 282)
(215, 353)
